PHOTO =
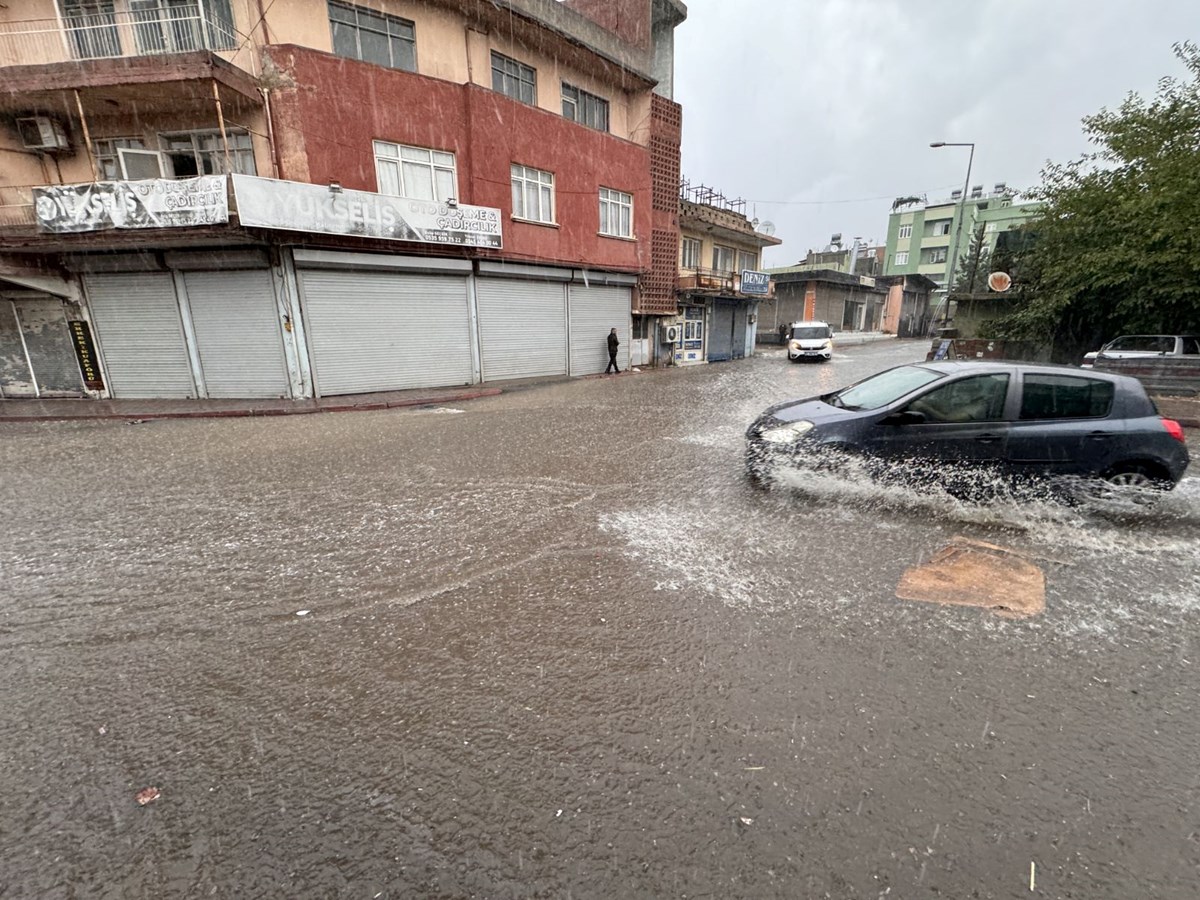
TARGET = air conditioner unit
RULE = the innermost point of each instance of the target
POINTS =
(42, 133)
(671, 333)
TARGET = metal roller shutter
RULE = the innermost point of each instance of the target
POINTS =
(522, 328)
(594, 311)
(384, 331)
(140, 335)
(237, 333)
(720, 332)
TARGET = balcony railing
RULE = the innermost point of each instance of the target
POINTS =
(16, 207)
(174, 29)
(716, 281)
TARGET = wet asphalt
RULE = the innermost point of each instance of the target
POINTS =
(550, 645)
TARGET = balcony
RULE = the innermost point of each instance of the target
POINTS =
(117, 34)
(712, 281)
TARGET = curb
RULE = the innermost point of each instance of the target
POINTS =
(268, 411)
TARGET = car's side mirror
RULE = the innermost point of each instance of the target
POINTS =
(905, 417)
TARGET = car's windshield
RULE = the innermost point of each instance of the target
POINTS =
(810, 332)
(880, 390)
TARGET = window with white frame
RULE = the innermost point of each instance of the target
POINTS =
(514, 79)
(747, 260)
(616, 213)
(940, 228)
(108, 155)
(373, 37)
(905, 232)
(415, 172)
(689, 253)
(587, 109)
(937, 255)
(902, 258)
(722, 258)
(532, 194)
(195, 153)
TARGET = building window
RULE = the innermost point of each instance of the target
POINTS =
(905, 232)
(171, 26)
(415, 172)
(722, 258)
(937, 255)
(533, 194)
(108, 157)
(584, 108)
(616, 213)
(747, 261)
(940, 228)
(373, 37)
(689, 253)
(902, 258)
(514, 79)
(203, 153)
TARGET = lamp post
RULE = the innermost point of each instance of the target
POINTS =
(962, 211)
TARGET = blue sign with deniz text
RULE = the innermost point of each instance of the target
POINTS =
(755, 282)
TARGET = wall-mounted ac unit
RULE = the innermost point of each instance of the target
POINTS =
(43, 133)
(671, 333)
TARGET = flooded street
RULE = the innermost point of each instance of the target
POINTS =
(550, 644)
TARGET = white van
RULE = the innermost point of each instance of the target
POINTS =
(810, 340)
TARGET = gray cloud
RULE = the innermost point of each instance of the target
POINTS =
(803, 105)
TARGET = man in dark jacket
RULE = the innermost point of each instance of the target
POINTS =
(613, 343)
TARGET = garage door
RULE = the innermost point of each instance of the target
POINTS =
(522, 328)
(237, 333)
(594, 311)
(384, 331)
(140, 336)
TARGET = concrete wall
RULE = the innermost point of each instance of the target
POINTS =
(322, 142)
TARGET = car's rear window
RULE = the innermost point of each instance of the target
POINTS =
(811, 333)
(1065, 397)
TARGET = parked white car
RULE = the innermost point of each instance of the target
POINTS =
(1145, 346)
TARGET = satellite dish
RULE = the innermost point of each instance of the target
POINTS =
(999, 281)
(767, 228)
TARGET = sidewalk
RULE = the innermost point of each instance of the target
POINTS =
(1184, 410)
(67, 410)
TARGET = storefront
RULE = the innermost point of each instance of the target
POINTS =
(37, 351)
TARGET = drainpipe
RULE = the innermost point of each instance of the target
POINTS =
(221, 122)
(266, 92)
(87, 138)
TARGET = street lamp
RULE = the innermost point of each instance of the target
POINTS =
(962, 210)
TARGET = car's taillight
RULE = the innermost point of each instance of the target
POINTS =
(1174, 429)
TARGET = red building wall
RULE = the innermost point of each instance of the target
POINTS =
(325, 126)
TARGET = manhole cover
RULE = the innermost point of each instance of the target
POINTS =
(972, 573)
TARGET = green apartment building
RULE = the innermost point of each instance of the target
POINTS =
(921, 238)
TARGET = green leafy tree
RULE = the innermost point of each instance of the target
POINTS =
(970, 275)
(1117, 247)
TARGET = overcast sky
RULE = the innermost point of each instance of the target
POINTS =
(811, 106)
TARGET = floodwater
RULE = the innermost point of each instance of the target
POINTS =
(549, 645)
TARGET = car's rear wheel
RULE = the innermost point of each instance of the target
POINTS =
(1129, 485)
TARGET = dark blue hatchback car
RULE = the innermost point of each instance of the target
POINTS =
(1024, 421)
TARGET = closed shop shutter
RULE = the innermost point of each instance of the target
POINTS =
(522, 328)
(237, 333)
(385, 331)
(594, 312)
(739, 332)
(16, 378)
(140, 335)
(720, 332)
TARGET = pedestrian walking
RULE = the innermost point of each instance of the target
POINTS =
(613, 343)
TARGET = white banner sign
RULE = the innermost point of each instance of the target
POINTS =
(154, 203)
(296, 206)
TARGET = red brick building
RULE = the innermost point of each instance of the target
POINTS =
(236, 199)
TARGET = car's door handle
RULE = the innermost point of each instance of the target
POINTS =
(1100, 435)
(987, 438)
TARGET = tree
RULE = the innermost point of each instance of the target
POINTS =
(971, 273)
(1117, 246)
